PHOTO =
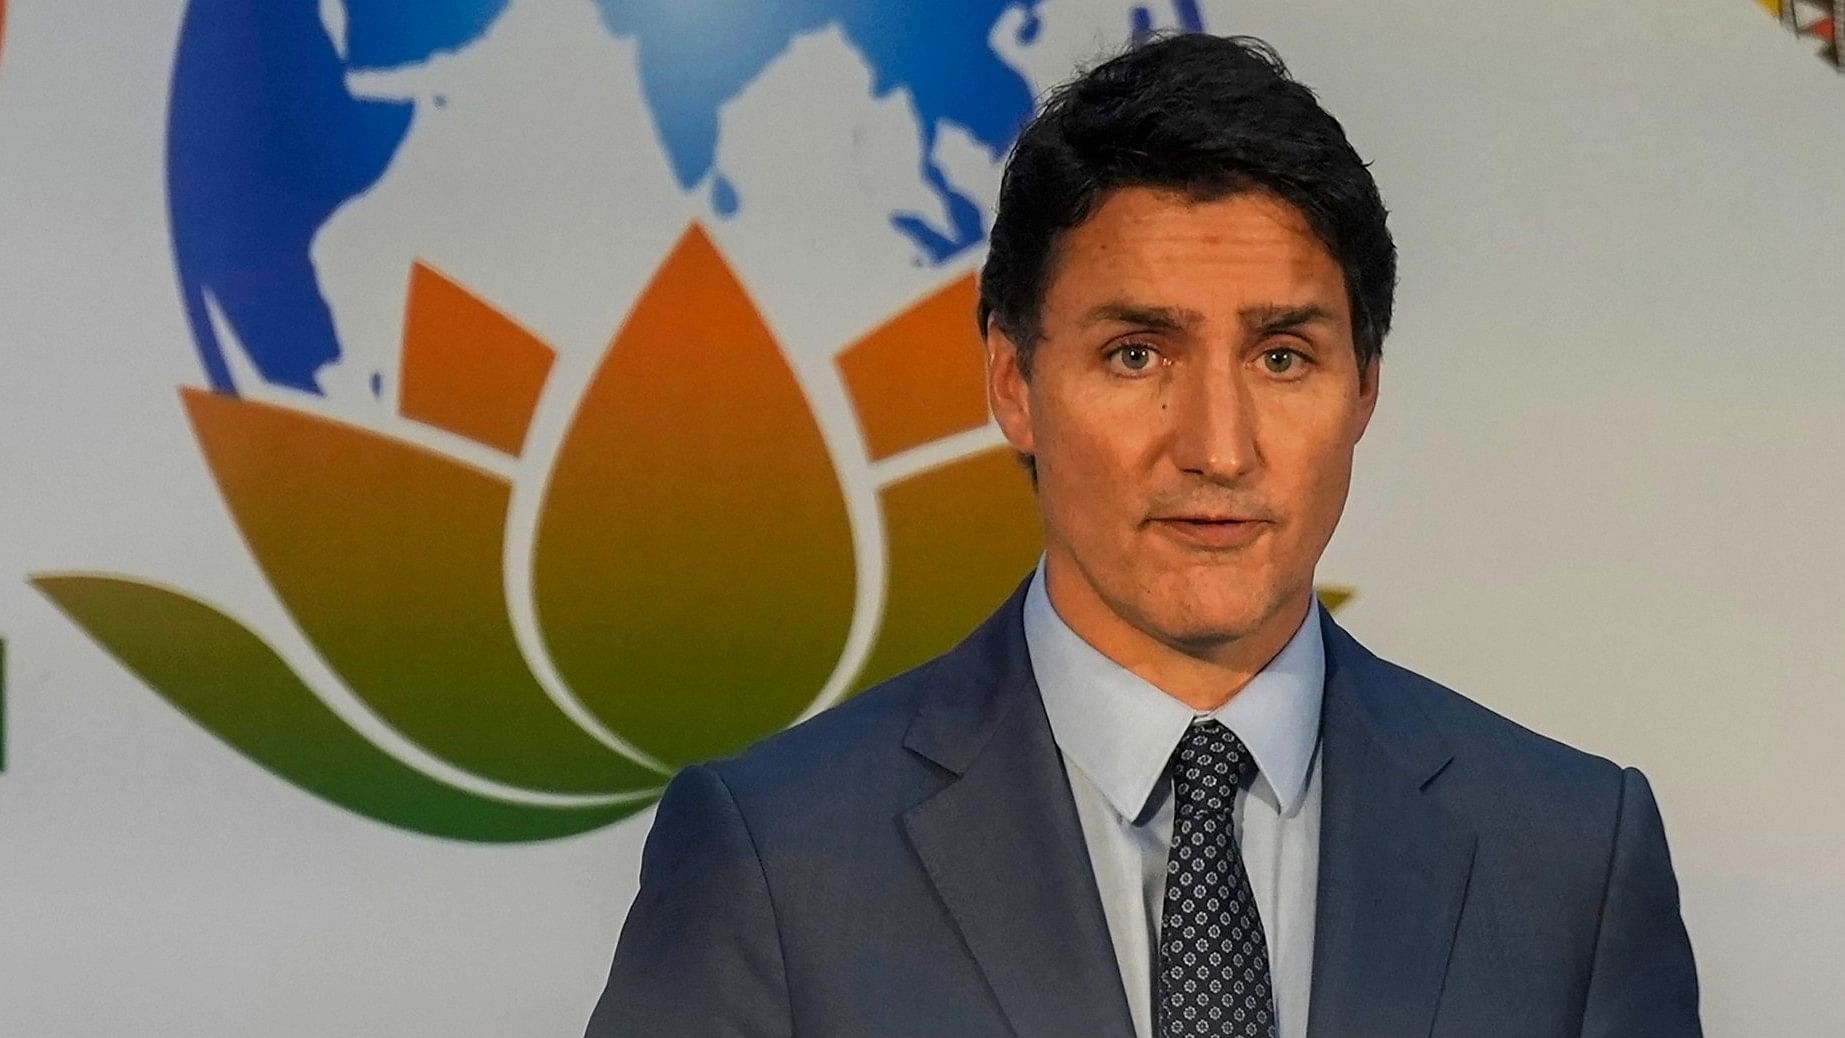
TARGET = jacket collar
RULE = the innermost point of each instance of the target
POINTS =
(1003, 846)
(1394, 859)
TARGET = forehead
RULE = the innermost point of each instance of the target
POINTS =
(1149, 246)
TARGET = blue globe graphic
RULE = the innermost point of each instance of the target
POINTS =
(266, 142)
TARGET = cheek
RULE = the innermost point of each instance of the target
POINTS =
(1095, 444)
(1083, 473)
(1092, 488)
(1324, 492)
(1311, 463)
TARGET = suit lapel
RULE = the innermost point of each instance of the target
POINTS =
(1003, 845)
(1394, 862)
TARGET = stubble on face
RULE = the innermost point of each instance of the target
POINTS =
(1192, 408)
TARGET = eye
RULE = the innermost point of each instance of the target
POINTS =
(1283, 361)
(1134, 358)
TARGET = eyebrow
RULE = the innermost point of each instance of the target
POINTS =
(1159, 318)
(1267, 320)
(1260, 320)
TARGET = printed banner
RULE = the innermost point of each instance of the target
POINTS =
(429, 425)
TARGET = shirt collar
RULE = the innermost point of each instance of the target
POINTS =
(1121, 730)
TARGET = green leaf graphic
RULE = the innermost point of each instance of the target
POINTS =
(215, 671)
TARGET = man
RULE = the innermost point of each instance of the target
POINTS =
(1160, 792)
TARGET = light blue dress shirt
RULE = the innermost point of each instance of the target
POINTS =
(1116, 733)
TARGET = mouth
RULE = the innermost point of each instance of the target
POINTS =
(1212, 532)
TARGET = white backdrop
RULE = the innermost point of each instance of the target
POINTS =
(1602, 494)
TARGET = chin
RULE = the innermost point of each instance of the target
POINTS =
(1193, 617)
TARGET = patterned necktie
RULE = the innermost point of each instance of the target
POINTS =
(1213, 959)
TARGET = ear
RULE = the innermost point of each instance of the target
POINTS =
(1367, 397)
(1008, 392)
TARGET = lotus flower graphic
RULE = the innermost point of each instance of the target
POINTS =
(696, 569)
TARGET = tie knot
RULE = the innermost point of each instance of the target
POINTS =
(1210, 765)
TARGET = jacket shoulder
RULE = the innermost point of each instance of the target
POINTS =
(1506, 776)
(1471, 725)
(847, 749)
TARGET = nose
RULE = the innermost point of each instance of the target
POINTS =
(1214, 425)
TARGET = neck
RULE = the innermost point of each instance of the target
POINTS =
(1203, 676)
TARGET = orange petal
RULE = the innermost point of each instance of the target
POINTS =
(467, 367)
(389, 558)
(920, 377)
(693, 570)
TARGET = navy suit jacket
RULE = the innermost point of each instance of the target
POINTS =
(910, 863)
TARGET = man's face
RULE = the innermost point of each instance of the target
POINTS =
(1192, 408)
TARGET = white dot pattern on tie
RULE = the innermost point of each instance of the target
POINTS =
(1213, 977)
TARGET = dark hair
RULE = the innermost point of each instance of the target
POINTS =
(1208, 116)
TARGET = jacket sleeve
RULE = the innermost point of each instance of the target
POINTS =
(1643, 983)
(699, 954)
